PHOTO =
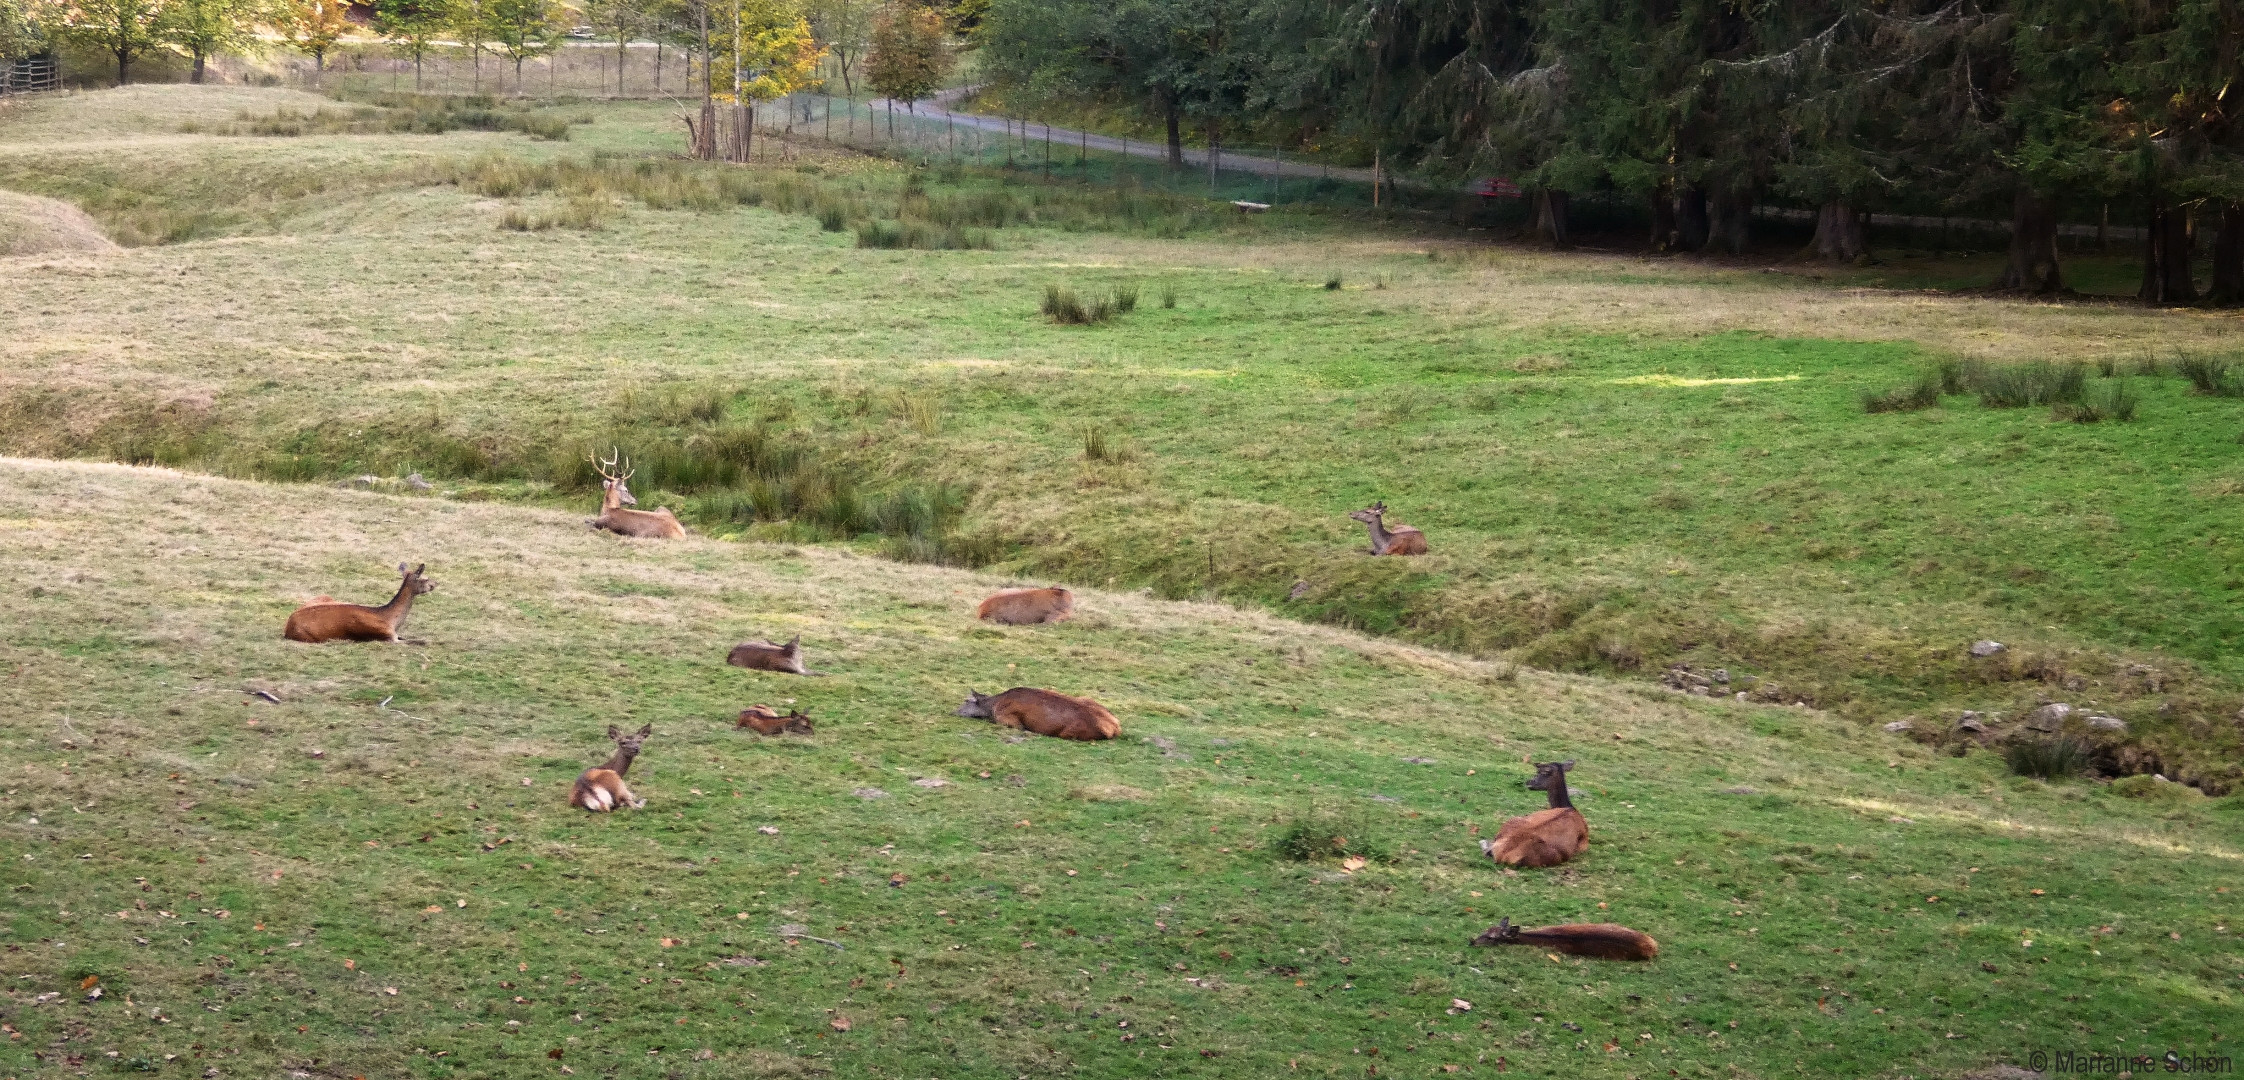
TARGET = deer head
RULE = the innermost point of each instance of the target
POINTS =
(417, 581)
(628, 745)
(1370, 515)
(1550, 774)
(977, 706)
(1503, 933)
(612, 481)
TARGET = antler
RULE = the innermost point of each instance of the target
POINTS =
(602, 467)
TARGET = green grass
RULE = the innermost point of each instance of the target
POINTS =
(249, 882)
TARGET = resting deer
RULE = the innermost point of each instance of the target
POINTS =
(765, 656)
(1042, 712)
(647, 524)
(1024, 607)
(600, 788)
(325, 620)
(1401, 540)
(766, 720)
(1545, 837)
(1605, 941)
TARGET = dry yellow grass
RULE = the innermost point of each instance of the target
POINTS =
(30, 225)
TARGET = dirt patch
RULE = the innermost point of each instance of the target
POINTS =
(30, 225)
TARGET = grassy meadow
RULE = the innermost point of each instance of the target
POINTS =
(371, 331)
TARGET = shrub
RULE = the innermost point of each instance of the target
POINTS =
(831, 219)
(1317, 833)
(1951, 376)
(2048, 759)
(2110, 400)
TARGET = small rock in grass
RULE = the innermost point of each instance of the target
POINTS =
(1899, 726)
(1984, 649)
(2107, 723)
(930, 782)
(1741, 789)
(1418, 761)
(869, 793)
(417, 483)
(2049, 717)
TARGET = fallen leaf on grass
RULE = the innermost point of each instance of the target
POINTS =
(1351, 864)
(840, 1023)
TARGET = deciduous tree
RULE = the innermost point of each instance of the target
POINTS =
(412, 28)
(521, 29)
(125, 29)
(314, 26)
(910, 54)
(204, 28)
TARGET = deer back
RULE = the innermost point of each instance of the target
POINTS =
(316, 623)
(765, 720)
(1404, 540)
(1043, 712)
(644, 524)
(1543, 838)
(765, 656)
(1024, 607)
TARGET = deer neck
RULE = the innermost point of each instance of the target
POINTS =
(1558, 793)
(611, 501)
(399, 606)
(619, 763)
(1380, 537)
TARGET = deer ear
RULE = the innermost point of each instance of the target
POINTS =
(1566, 766)
(795, 643)
(401, 568)
(420, 570)
(614, 732)
(646, 729)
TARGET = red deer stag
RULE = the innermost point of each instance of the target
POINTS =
(646, 524)
(765, 720)
(1401, 540)
(1604, 941)
(765, 656)
(600, 788)
(1027, 607)
(1545, 837)
(325, 620)
(1042, 712)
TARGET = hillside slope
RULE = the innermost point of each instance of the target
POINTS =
(377, 875)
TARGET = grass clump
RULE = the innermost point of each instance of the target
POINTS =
(2111, 399)
(1063, 306)
(2047, 759)
(1924, 393)
(2038, 382)
(1317, 833)
(2211, 376)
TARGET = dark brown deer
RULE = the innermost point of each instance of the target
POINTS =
(765, 720)
(1043, 712)
(325, 620)
(1027, 607)
(614, 496)
(1401, 540)
(764, 656)
(1604, 941)
(600, 788)
(1545, 837)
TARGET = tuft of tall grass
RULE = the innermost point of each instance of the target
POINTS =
(1062, 306)
(1316, 833)
(832, 219)
(2048, 759)
(1333, 283)
(2212, 376)
(1097, 446)
(924, 413)
(1921, 394)
(2038, 382)
(1168, 297)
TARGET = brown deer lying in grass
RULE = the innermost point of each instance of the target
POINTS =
(1042, 712)
(1026, 607)
(1545, 837)
(325, 620)
(765, 656)
(767, 721)
(1401, 540)
(1605, 941)
(614, 496)
(600, 788)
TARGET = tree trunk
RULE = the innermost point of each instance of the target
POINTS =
(2033, 246)
(1663, 237)
(621, 40)
(2228, 257)
(1730, 221)
(196, 75)
(706, 147)
(658, 65)
(2166, 252)
(416, 73)
(1690, 219)
(124, 59)
(517, 76)
(1550, 217)
(1175, 120)
(1838, 234)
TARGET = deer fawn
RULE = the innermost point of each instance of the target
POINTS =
(325, 620)
(765, 656)
(1025, 607)
(1545, 837)
(647, 524)
(1042, 712)
(1605, 941)
(766, 720)
(1401, 540)
(600, 788)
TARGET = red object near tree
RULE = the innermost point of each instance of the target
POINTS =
(1498, 187)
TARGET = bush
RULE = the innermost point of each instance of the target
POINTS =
(1317, 833)
(831, 219)
(2048, 759)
